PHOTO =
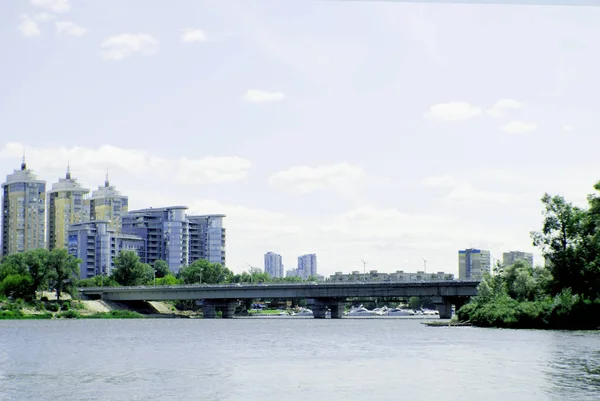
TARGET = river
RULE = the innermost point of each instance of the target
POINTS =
(292, 359)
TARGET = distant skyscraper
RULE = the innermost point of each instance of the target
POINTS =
(23, 212)
(207, 238)
(473, 263)
(65, 207)
(273, 265)
(508, 258)
(307, 266)
(166, 234)
(106, 203)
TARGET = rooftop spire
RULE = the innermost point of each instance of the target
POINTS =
(23, 164)
(106, 182)
(68, 170)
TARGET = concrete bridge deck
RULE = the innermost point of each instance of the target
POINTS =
(324, 295)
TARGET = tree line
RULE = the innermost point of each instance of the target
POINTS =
(565, 294)
(24, 274)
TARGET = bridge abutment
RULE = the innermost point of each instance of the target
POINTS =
(226, 306)
(209, 311)
(445, 310)
(337, 310)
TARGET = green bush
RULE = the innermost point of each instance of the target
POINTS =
(71, 314)
(52, 306)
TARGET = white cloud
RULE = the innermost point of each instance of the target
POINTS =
(305, 179)
(28, 27)
(121, 46)
(439, 181)
(43, 17)
(88, 162)
(58, 6)
(452, 111)
(190, 35)
(70, 28)
(260, 96)
(464, 193)
(500, 108)
(520, 127)
(567, 127)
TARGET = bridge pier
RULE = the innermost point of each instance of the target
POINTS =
(229, 309)
(337, 310)
(226, 306)
(209, 311)
(445, 310)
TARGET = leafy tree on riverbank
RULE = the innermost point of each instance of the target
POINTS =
(130, 271)
(22, 274)
(566, 293)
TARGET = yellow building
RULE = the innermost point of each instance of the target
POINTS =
(65, 207)
(23, 212)
(106, 203)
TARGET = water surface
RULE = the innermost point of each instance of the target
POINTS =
(292, 359)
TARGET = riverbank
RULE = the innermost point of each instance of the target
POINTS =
(95, 309)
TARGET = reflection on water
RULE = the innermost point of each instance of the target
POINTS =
(288, 359)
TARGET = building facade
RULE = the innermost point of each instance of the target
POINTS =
(23, 212)
(207, 238)
(97, 245)
(398, 276)
(307, 265)
(473, 264)
(508, 258)
(106, 203)
(273, 265)
(65, 207)
(166, 232)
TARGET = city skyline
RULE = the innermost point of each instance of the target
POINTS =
(386, 143)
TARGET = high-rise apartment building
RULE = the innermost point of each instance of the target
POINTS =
(273, 265)
(97, 245)
(307, 265)
(23, 212)
(473, 263)
(65, 207)
(166, 232)
(106, 203)
(207, 238)
(508, 258)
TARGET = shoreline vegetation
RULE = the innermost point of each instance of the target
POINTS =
(565, 294)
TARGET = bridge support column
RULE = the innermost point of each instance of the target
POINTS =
(337, 309)
(319, 308)
(445, 310)
(209, 311)
(229, 309)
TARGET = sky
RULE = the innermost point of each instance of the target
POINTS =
(382, 131)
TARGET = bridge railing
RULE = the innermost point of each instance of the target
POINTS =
(253, 285)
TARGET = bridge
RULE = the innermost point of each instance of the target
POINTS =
(320, 295)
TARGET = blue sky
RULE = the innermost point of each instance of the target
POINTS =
(377, 130)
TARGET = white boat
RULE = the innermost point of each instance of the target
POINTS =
(362, 311)
(430, 312)
(400, 312)
(303, 312)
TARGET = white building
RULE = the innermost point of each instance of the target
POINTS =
(307, 265)
(273, 265)
(508, 258)
(473, 264)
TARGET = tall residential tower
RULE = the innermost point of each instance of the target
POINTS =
(65, 207)
(307, 266)
(207, 238)
(23, 212)
(106, 203)
(273, 265)
(473, 264)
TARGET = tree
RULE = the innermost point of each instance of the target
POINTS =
(63, 270)
(17, 286)
(130, 271)
(559, 240)
(161, 268)
(415, 303)
(36, 261)
(13, 264)
(169, 279)
(202, 271)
